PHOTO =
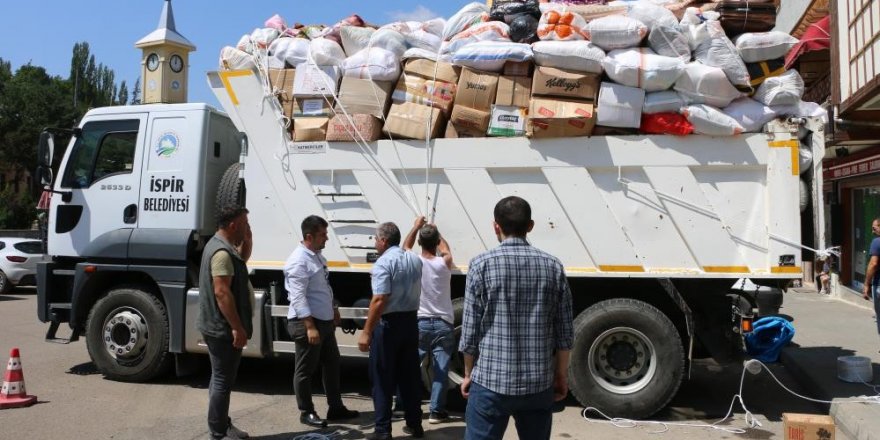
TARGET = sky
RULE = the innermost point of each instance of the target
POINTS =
(43, 33)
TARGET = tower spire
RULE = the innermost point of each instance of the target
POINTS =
(166, 20)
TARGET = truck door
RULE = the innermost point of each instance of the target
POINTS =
(101, 172)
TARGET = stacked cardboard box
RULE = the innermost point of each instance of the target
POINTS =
(312, 107)
(362, 105)
(563, 103)
(509, 114)
(423, 97)
(473, 104)
(281, 81)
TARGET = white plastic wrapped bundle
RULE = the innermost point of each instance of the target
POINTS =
(373, 63)
(354, 38)
(694, 27)
(711, 121)
(719, 51)
(245, 44)
(262, 38)
(785, 89)
(750, 114)
(642, 68)
(616, 32)
(326, 52)
(389, 39)
(662, 102)
(434, 26)
(469, 15)
(423, 40)
(491, 55)
(562, 26)
(669, 41)
(802, 109)
(580, 56)
(289, 51)
(762, 46)
(651, 14)
(489, 31)
(234, 59)
(701, 84)
(275, 22)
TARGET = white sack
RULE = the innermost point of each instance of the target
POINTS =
(262, 38)
(719, 51)
(234, 59)
(642, 68)
(489, 31)
(619, 106)
(245, 44)
(694, 27)
(785, 89)
(651, 14)
(701, 84)
(711, 121)
(469, 15)
(491, 55)
(373, 63)
(289, 51)
(355, 38)
(762, 46)
(616, 32)
(325, 52)
(666, 101)
(669, 41)
(580, 56)
(389, 39)
(750, 114)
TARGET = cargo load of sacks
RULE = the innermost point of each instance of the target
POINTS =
(529, 68)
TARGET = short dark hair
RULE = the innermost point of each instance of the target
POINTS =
(429, 237)
(227, 214)
(513, 215)
(312, 224)
(389, 231)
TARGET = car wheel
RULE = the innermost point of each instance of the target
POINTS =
(5, 284)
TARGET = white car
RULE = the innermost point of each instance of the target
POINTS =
(18, 261)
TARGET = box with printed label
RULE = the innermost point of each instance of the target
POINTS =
(472, 119)
(431, 70)
(620, 106)
(364, 96)
(354, 128)
(518, 68)
(312, 107)
(476, 89)
(550, 81)
(549, 118)
(310, 129)
(312, 80)
(514, 91)
(418, 90)
(508, 120)
(410, 121)
(281, 81)
(453, 132)
(807, 426)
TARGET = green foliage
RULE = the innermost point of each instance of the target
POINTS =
(17, 211)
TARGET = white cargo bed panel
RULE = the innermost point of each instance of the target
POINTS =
(633, 206)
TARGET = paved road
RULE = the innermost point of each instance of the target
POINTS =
(76, 402)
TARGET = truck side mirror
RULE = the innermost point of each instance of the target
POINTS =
(44, 173)
(46, 149)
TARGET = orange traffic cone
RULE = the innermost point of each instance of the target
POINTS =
(13, 394)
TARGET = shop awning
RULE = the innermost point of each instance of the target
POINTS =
(816, 37)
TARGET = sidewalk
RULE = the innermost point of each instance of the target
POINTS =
(827, 328)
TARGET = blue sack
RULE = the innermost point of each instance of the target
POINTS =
(765, 342)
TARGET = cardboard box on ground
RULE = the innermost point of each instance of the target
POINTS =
(807, 426)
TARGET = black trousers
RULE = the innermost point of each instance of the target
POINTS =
(224, 368)
(394, 364)
(309, 357)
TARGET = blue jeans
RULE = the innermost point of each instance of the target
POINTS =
(488, 413)
(436, 337)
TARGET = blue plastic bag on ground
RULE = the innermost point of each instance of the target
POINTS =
(770, 334)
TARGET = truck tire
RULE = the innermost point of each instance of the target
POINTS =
(231, 191)
(627, 360)
(127, 335)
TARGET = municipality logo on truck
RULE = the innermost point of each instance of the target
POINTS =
(167, 144)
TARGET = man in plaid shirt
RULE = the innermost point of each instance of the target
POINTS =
(517, 332)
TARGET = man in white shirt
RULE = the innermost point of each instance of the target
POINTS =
(311, 322)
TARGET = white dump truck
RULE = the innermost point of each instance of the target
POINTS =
(653, 230)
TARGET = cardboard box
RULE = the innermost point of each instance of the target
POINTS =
(518, 68)
(312, 80)
(341, 129)
(418, 90)
(550, 118)
(409, 121)
(310, 129)
(281, 81)
(514, 91)
(426, 68)
(469, 118)
(312, 107)
(620, 106)
(807, 426)
(476, 89)
(362, 96)
(453, 132)
(550, 81)
(508, 121)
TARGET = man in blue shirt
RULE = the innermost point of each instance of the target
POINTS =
(872, 275)
(517, 332)
(391, 333)
(311, 323)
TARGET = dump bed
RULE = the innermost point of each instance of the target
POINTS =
(607, 206)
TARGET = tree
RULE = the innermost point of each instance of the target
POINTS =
(136, 93)
(19, 210)
(122, 96)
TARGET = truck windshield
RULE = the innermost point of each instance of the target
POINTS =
(104, 148)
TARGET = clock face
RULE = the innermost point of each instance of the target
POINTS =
(176, 63)
(152, 62)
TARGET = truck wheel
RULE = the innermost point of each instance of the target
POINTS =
(627, 360)
(231, 191)
(127, 335)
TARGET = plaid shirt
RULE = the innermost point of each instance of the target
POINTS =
(517, 313)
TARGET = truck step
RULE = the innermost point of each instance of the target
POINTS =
(64, 272)
(53, 329)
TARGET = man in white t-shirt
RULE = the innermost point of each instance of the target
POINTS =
(436, 316)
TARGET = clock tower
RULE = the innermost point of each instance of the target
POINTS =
(164, 62)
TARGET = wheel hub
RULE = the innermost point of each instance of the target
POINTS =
(125, 334)
(622, 360)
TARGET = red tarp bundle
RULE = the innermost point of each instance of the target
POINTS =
(816, 37)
